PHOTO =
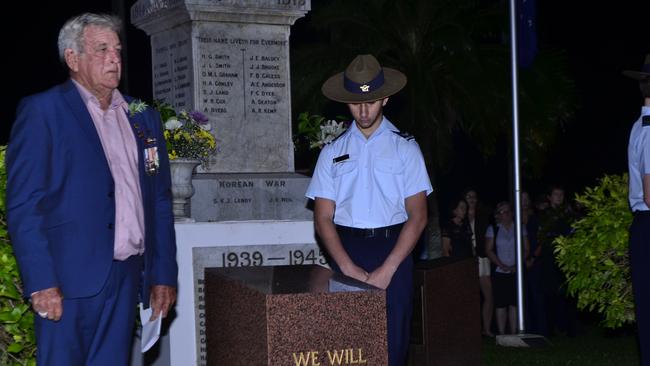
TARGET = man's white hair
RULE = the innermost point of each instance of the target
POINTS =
(72, 31)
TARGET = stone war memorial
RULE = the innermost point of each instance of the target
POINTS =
(247, 224)
(230, 60)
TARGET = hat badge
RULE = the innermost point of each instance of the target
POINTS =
(365, 88)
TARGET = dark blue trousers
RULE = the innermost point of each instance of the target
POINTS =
(369, 254)
(97, 330)
(536, 322)
(639, 261)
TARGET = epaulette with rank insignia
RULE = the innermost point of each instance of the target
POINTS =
(404, 135)
(645, 121)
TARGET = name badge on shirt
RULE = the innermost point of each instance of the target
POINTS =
(151, 162)
(341, 158)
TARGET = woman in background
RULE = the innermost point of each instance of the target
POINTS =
(479, 219)
(456, 233)
(500, 246)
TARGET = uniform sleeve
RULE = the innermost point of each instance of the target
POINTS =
(644, 166)
(416, 177)
(322, 182)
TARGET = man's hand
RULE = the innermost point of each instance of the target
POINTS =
(355, 272)
(162, 299)
(48, 303)
(381, 277)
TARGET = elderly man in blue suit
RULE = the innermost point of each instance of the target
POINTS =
(89, 204)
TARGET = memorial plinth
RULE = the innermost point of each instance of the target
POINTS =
(292, 315)
(252, 196)
(447, 321)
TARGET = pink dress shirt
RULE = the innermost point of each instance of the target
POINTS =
(121, 152)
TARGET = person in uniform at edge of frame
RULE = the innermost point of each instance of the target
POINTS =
(638, 153)
(89, 204)
(370, 186)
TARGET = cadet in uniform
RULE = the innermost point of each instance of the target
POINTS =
(638, 153)
(370, 186)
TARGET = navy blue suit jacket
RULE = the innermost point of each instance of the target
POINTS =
(60, 197)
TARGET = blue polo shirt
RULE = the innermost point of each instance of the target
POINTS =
(638, 155)
(369, 179)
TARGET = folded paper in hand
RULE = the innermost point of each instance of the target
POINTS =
(150, 329)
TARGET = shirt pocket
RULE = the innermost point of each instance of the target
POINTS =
(344, 167)
(389, 166)
(388, 175)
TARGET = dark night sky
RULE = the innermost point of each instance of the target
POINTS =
(600, 40)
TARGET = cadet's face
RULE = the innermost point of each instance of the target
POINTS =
(98, 67)
(367, 115)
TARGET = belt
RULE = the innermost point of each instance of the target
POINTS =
(641, 213)
(385, 232)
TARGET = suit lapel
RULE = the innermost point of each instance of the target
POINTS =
(82, 116)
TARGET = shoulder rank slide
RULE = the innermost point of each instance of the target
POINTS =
(404, 135)
(645, 121)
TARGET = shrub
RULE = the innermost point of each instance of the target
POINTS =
(595, 257)
(17, 342)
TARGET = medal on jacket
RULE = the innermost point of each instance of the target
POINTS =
(151, 162)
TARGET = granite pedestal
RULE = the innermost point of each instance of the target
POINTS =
(292, 315)
(446, 318)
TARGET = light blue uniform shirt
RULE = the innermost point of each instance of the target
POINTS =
(369, 179)
(638, 160)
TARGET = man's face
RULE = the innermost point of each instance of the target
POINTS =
(644, 85)
(556, 197)
(98, 67)
(367, 115)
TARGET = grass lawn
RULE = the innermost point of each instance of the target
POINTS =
(593, 346)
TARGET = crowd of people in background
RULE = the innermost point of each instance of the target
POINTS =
(471, 229)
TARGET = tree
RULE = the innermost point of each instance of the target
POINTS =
(457, 65)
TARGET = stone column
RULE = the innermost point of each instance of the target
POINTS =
(230, 60)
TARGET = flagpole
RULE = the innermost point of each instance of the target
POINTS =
(521, 339)
(515, 144)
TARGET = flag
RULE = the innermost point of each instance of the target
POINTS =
(526, 32)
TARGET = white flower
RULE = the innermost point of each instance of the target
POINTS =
(173, 123)
(328, 132)
(206, 127)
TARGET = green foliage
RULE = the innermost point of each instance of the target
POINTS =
(595, 257)
(309, 126)
(17, 342)
(457, 62)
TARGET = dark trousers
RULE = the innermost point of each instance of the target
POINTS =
(639, 261)
(536, 314)
(369, 253)
(97, 330)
